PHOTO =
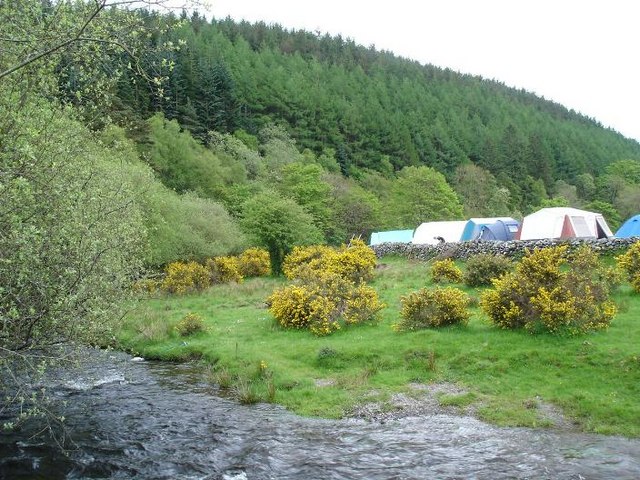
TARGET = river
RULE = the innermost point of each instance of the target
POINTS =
(164, 421)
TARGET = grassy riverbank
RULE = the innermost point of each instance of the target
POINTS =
(510, 378)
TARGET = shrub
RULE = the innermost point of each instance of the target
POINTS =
(433, 308)
(224, 270)
(182, 277)
(542, 295)
(190, 324)
(146, 285)
(445, 271)
(291, 306)
(355, 262)
(629, 263)
(314, 257)
(322, 304)
(254, 262)
(482, 268)
(363, 304)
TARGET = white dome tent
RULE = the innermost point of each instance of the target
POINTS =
(432, 233)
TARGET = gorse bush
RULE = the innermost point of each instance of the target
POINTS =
(315, 257)
(323, 304)
(224, 270)
(330, 288)
(254, 262)
(482, 268)
(146, 286)
(355, 261)
(435, 307)
(445, 271)
(190, 324)
(629, 263)
(543, 295)
(181, 278)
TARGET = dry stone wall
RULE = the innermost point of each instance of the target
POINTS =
(513, 248)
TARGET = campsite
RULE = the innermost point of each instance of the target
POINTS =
(221, 236)
(503, 377)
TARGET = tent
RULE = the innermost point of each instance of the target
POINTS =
(630, 228)
(563, 222)
(398, 236)
(431, 233)
(501, 230)
(474, 225)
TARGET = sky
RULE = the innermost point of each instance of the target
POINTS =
(582, 54)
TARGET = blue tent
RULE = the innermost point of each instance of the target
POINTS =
(474, 226)
(630, 228)
(398, 236)
(500, 230)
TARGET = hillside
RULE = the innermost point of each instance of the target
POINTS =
(370, 109)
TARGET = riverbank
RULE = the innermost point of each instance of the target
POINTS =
(510, 378)
(131, 419)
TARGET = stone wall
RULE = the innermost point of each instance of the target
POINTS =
(513, 248)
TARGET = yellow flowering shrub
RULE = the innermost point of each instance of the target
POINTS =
(362, 305)
(355, 262)
(629, 263)
(314, 256)
(254, 262)
(181, 278)
(146, 285)
(190, 324)
(445, 271)
(435, 307)
(323, 303)
(224, 270)
(552, 291)
(291, 306)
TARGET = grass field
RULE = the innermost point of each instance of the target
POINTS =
(508, 375)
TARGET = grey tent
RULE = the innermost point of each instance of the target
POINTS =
(500, 230)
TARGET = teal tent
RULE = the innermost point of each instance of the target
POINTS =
(630, 228)
(397, 236)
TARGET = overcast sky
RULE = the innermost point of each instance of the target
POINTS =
(580, 53)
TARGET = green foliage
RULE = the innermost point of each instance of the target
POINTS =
(304, 184)
(436, 307)
(482, 268)
(71, 237)
(181, 227)
(445, 271)
(185, 165)
(254, 262)
(356, 211)
(190, 324)
(371, 110)
(421, 194)
(542, 296)
(479, 192)
(278, 224)
(224, 270)
(629, 263)
(181, 278)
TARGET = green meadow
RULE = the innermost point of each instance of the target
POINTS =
(509, 377)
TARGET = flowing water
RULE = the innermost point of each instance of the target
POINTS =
(162, 421)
